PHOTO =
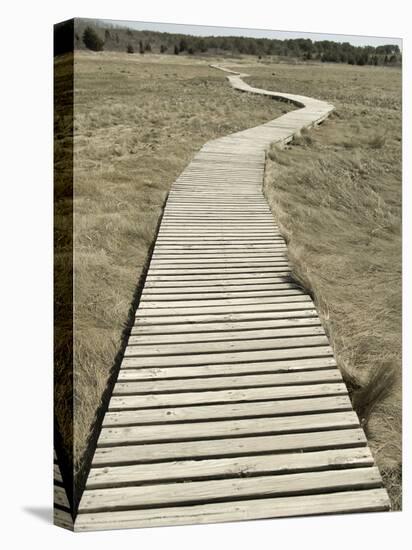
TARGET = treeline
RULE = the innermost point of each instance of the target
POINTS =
(98, 36)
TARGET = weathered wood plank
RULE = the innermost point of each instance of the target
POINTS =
(323, 376)
(230, 410)
(279, 321)
(221, 253)
(213, 490)
(313, 329)
(221, 369)
(265, 274)
(156, 295)
(286, 297)
(225, 396)
(238, 446)
(244, 344)
(230, 285)
(211, 250)
(246, 271)
(63, 518)
(215, 259)
(374, 500)
(229, 467)
(228, 357)
(60, 496)
(226, 428)
(222, 317)
(229, 266)
(56, 473)
(261, 306)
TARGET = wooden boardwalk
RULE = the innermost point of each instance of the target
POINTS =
(61, 506)
(228, 404)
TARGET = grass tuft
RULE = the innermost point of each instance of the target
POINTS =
(377, 141)
(303, 139)
(379, 385)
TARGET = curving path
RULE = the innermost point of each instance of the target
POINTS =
(228, 404)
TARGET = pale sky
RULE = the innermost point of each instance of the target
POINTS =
(200, 30)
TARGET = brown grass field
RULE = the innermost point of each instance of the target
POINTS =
(336, 191)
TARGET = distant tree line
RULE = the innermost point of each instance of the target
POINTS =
(97, 36)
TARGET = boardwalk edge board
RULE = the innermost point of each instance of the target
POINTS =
(62, 516)
(229, 404)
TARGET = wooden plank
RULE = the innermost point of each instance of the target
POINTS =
(218, 241)
(155, 265)
(238, 369)
(229, 308)
(228, 285)
(156, 294)
(290, 320)
(225, 396)
(227, 357)
(210, 227)
(195, 320)
(212, 491)
(229, 467)
(311, 330)
(293, 294)
(222, 358)
(176, 205)
(220, 249)
(236, 344)
(60, 496)
(229, 233)
(194, 293)
(181, 230)
(139, 387)
(63, 518)
(215, 258)
(204, 211)
(220, 272)
(374, 500)
(218, 219)
(162, 252)
(244, 344)
(223, 277)
(289, 297)
(230, 410)
(56, 473)
(226, 428)
(191, 203)
(238, 446)
(218, 225)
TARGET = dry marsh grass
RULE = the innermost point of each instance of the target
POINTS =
(336, 192)
(137, 122)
